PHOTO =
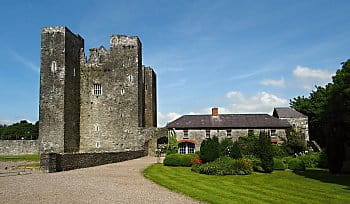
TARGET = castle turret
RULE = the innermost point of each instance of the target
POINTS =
(59, 90)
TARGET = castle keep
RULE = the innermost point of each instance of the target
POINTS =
(103, 103)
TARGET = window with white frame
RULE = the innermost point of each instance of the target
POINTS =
(185, 134)
(229, 133)
(97, 89)
(207, 133)
(186, 148)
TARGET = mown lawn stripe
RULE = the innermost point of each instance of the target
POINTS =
(278, 187)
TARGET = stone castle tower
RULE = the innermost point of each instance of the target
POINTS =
(101, 104)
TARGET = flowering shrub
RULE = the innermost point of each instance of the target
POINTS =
(225, 166)
(196, 160)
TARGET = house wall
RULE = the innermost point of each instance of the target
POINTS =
(199, 135)
(301, 124)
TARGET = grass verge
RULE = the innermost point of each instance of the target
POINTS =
(26, 157)
(311, 186)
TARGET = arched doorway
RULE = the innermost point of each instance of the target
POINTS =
(186, 148)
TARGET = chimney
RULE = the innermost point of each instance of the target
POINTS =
(214, 111)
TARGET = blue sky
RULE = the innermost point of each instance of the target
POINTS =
(241, 56)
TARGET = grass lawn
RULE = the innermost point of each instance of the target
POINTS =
(311, 186)
(26, 157)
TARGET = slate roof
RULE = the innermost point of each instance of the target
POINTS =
(286, 112)
(225, 121)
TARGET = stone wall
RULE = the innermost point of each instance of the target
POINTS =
(15, 147)
(59, 90)
(55, 162)
(110, 121)
(150, 97)
(301, 125)
(199, 135)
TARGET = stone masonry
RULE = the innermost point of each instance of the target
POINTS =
(103, 103)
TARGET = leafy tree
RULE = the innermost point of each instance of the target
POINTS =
(210, 149)
(338, 120)
(315, 107)
(294, 143)
(328, 110)
(21, 130)
(265, 152)
(249, 145)
(230, 148)
(173, 144)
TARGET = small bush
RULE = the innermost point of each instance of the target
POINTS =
(210, 149)
(225, 166)
(179, 159)
(278, 151)
(296, 164)
(256, 163)
(278, 164)
(311, 160)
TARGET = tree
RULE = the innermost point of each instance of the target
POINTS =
(328, 109)
(265, 152)
(173, 144)
(338, 118)
(230, 149)
(210, 149)
(294, 143)
(20, 130)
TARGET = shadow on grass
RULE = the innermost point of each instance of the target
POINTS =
(324, 176)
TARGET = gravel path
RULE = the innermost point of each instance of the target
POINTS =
(113, 183)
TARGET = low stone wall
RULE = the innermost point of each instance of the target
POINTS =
(15, 147)
(55, 162)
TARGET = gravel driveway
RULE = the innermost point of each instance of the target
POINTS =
(113, 183)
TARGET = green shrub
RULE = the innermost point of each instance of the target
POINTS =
(179, 159)
(210, 149)
(278, 151)
(311, 160)
(296, 164)
(278, 164)
(225, 166)
(265, 152)
(230, 149)
(255, 161)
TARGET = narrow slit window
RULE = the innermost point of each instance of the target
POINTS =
(122, 92)
(97, 89)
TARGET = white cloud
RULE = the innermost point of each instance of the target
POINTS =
(272, 82)
(163, 119)
(261, 102)
(308, 77)
(306, 72)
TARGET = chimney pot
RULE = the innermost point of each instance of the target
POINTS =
(215, 111)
